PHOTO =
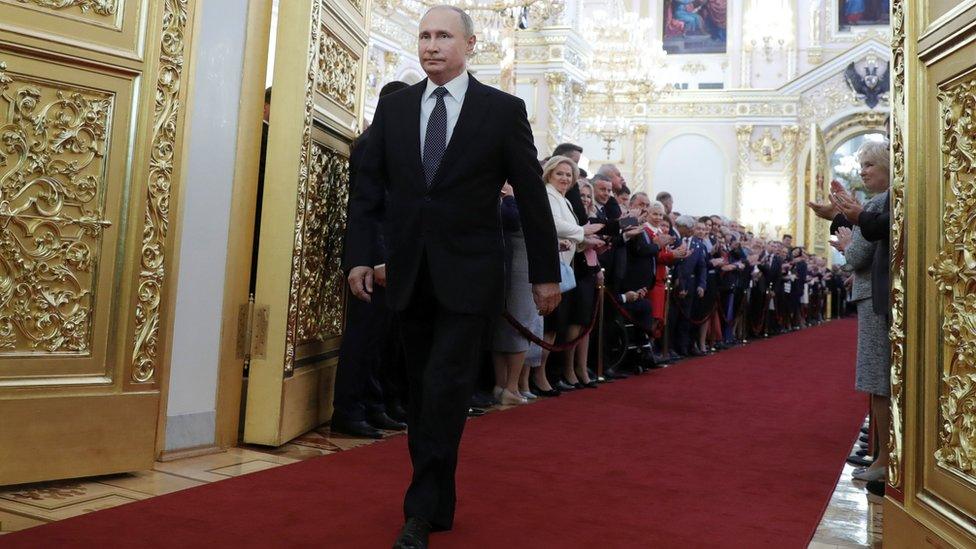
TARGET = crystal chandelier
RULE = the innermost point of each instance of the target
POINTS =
(625, 54)
(768, 26)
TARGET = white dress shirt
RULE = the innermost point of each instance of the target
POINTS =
(452, 102)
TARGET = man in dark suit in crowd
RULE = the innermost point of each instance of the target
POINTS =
(359, 403)
(441, 150)
(690, 281)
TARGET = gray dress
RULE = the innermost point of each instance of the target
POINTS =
(873, 370)
(518, 303)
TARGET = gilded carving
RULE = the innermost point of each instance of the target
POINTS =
(338, 71)
(640, 155)
(100, 7)
(160, 181)
(955, 275)
(298, 246)
(321, 283)
(898, 272)
(52, 199)
(557, 107)
(767, 147)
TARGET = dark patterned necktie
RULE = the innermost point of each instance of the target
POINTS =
(435, 140)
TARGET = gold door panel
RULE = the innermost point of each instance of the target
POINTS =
(91, 95)
(319, 70)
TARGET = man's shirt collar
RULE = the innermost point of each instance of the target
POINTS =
(456, 88)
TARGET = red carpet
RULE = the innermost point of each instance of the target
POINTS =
(740, 449)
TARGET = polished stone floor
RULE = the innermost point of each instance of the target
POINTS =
(850, 520)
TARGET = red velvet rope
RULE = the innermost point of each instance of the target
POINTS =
(527, 333)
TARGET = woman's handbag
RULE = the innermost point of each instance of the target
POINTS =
(567, 278)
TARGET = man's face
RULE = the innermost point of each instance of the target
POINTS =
(574, 156)
(700, 230)
(787, 240)
(616, 180)
(443, 48)
(668, 202)
(602, 189)
(638, 207)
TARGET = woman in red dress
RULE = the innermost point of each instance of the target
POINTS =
(658, 224)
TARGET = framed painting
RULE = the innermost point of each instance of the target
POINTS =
(695, 26)
(862, 13)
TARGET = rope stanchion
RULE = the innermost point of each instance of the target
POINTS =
(552, 348)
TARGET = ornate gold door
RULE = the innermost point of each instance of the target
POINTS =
(299, 295)
(933, 470)
(817, 182)
(90, 135)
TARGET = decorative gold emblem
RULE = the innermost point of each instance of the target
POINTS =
(321, 282)
(767, 147)
(955, 275)
(156, 223)
(338, 74)
(52, 193)
(897, 330)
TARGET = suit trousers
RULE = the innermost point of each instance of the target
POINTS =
(442, 350)
(357, 387)
(684, 306)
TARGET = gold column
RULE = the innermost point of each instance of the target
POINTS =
(557, 107)
(743, 134)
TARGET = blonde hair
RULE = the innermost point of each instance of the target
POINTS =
(550, 166)
(877, 152)
(591, 210)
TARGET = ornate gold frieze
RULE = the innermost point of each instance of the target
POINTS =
(955, 275)
(162, 162)
(100, 7)
(338, 71)
(321, 281)
(298, 246)
(53, 140)
(557, 107)
(767, 148)
(898, 272)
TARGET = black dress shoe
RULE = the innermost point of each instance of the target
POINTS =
(875, 488)
(591, 385)
(695, 352)
(550, 393)
(355, 428)
(860, 461)
(864, 430)
(563, 386)
(482, 400)
(396, 412)
(612, 373)
(413, 535)
(382, 421)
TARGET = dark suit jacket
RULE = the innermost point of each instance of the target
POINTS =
(641, 265)
(772, 271)
(454, 225)
(690, 273)
(356, 152)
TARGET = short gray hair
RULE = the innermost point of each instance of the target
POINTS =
(877, 152)
(607, 170)
(466, 22)
(686, 221)
(656, 205)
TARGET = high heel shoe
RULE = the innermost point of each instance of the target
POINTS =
(510, 399)
(539, 392)
(591, 384)
(529, 395)
(563, 386)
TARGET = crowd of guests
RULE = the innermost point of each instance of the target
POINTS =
(652, 284)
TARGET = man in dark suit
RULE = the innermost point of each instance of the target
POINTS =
(690, 281)
(359, 403)
(441, 150)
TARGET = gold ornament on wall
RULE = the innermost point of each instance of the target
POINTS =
(161, 165)
(338, 74)
(955, 275)
(100, 7)
(767, 147)
(52, 183)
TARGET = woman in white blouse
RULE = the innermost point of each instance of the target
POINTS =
(560, 173)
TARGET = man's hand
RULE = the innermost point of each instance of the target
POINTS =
(361, 282)
(701, 292)
(663, 239)
(681, 252)
(630, 297)
(546, 297)
(592, 228)
(632, 231)
(379, 275)
(565, 245)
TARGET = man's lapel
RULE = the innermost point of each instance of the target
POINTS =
(412, 113)
(473, 111)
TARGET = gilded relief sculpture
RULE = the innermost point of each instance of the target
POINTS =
(955, 276)
(52, 185)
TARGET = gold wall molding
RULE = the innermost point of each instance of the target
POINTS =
(743, 136)
(322, 284)
(338, 74)
(640, 156)
(100, 7)
(557, 107)
(767, 148)
(955, 274)
(52, 193)
(898, 270)
(156, 222)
